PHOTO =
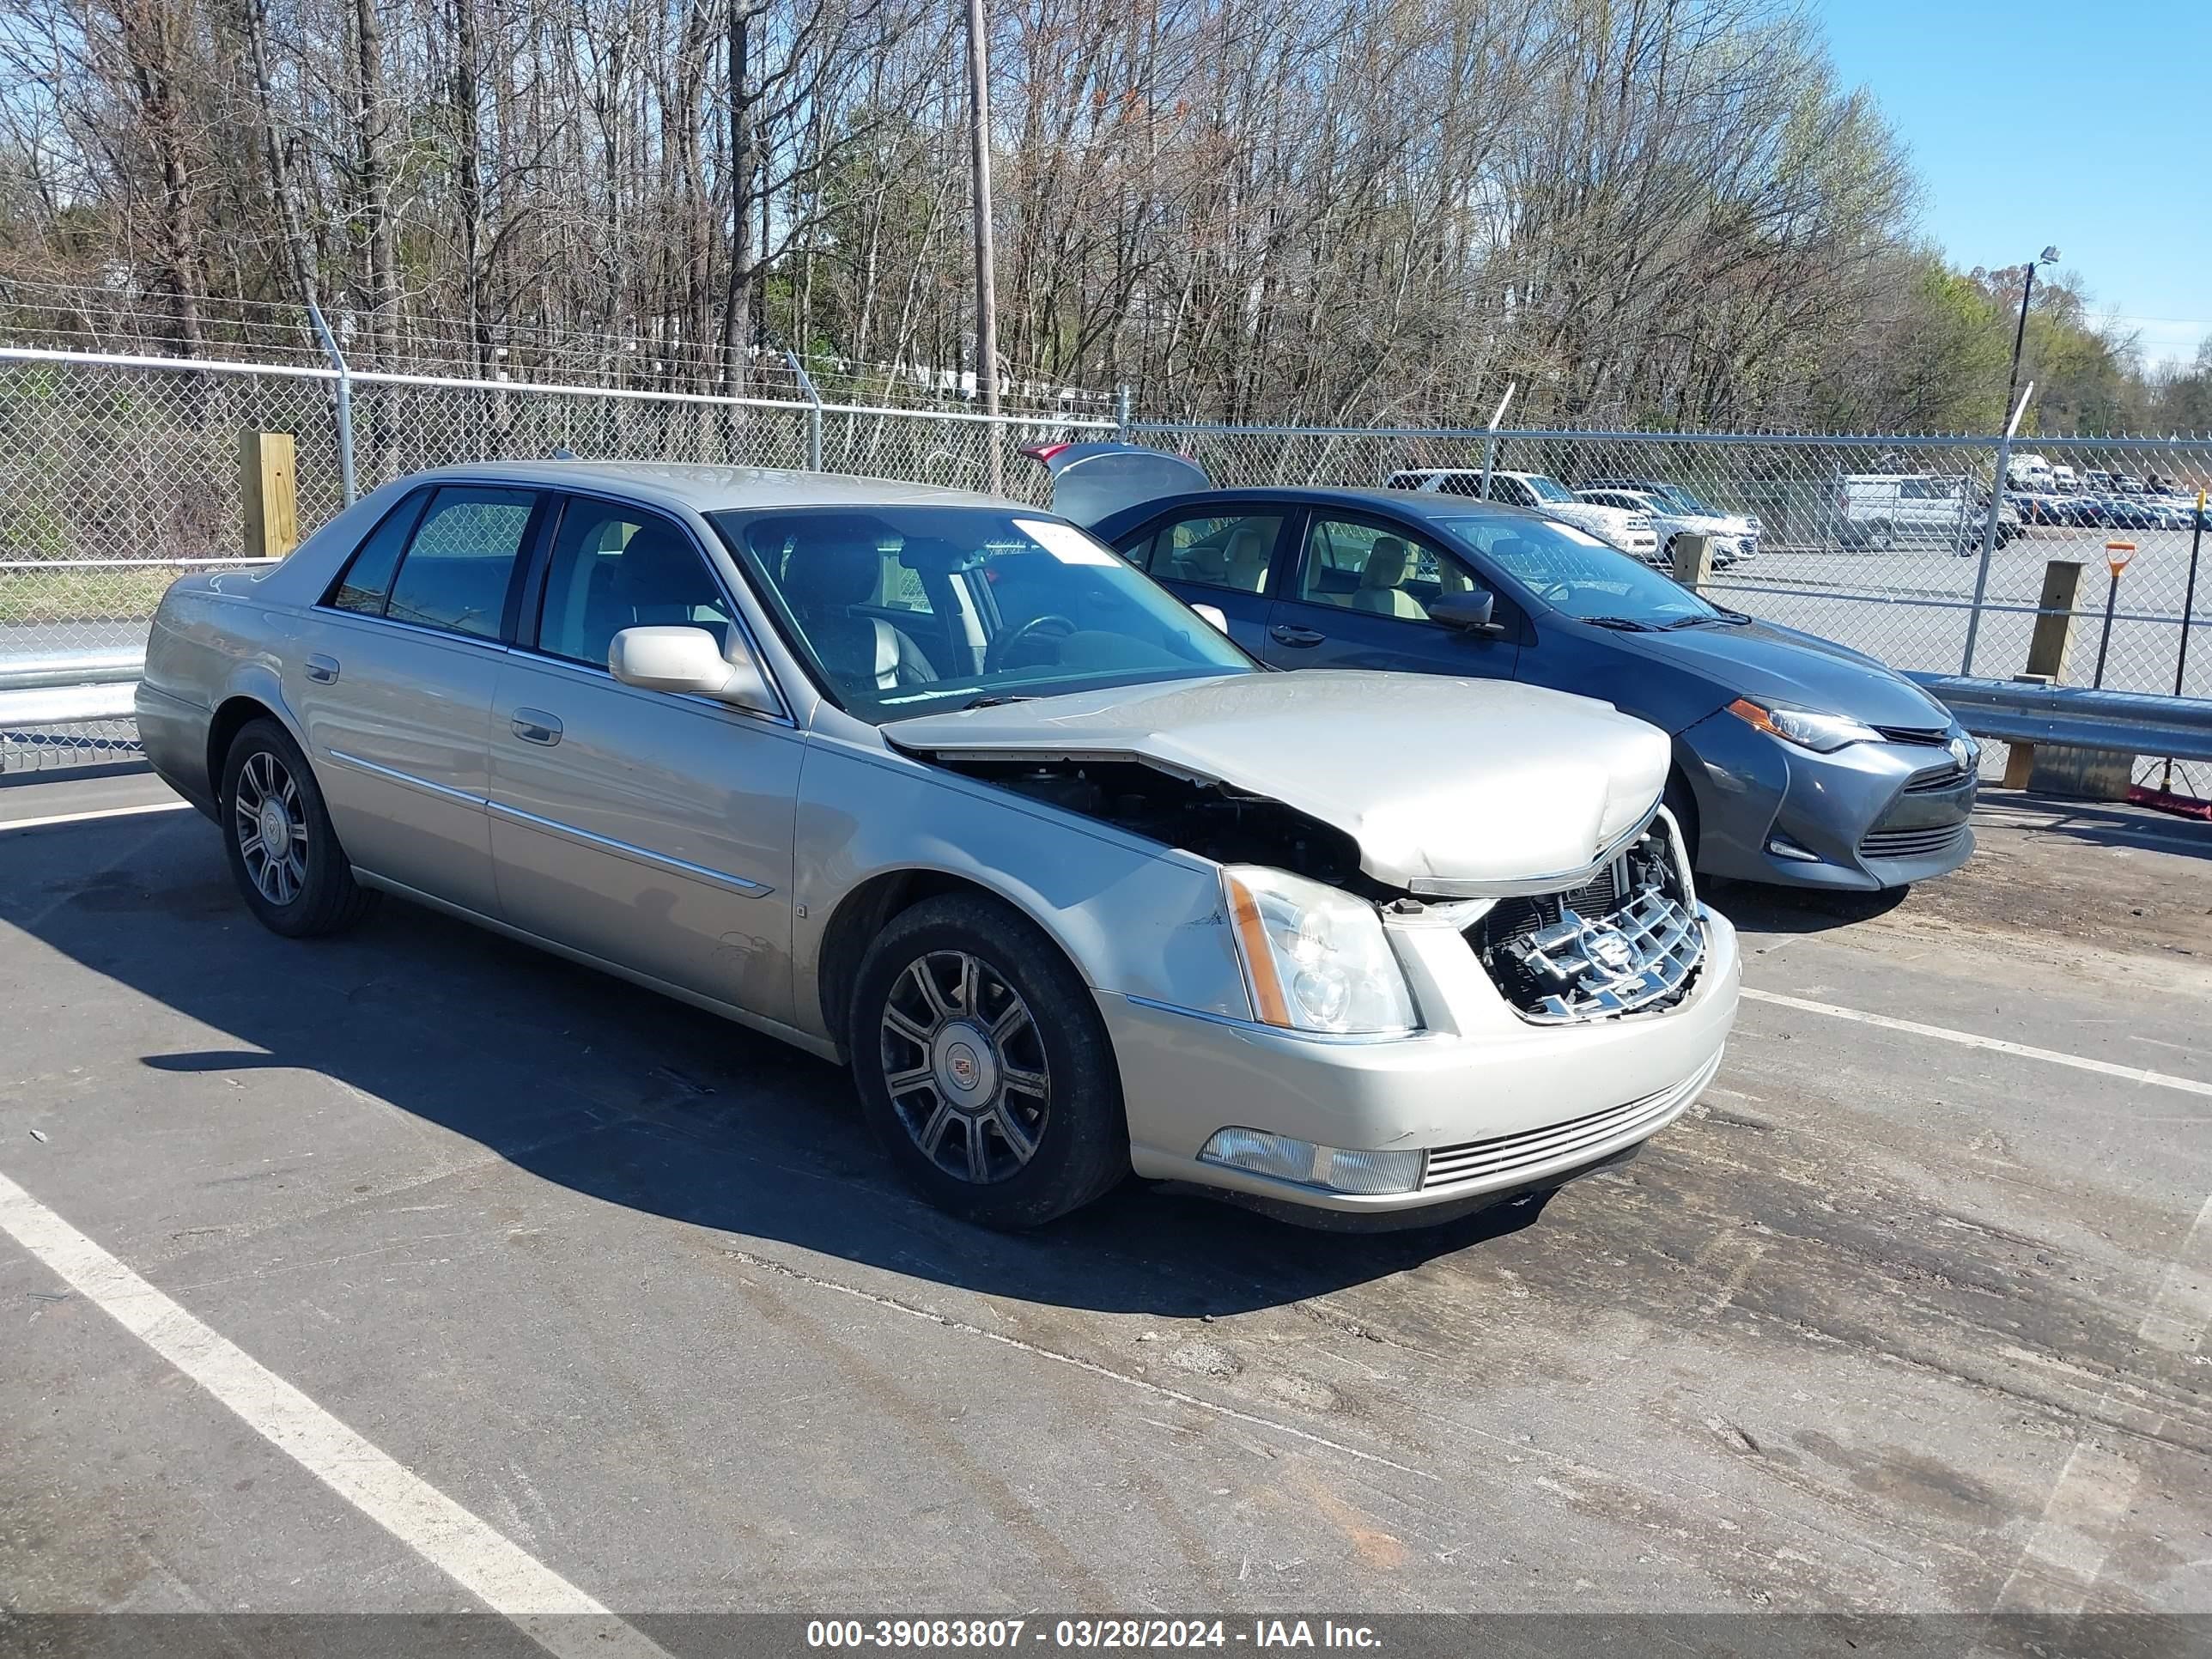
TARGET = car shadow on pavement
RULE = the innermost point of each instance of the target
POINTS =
(629, 1097)
(1761, 910)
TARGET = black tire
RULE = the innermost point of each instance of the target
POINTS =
(1079, 1133)
(1683, 805)
(1881, 538)
(307, 890)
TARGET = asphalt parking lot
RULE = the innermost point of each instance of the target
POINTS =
(1909, 1316)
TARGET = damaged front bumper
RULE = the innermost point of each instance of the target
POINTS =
(1492, 1101)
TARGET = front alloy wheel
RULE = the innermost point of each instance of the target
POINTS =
(964, 1066)
(983, 1064)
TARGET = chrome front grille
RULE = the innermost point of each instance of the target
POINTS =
(1627, 940)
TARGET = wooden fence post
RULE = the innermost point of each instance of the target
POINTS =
(1693, 561)
(264, 489)
(2047, 651)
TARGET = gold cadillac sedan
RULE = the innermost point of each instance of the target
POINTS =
(937, 786)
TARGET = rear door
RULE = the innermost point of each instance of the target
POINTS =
(394, 685)
(1357, 597)
(1218, 554)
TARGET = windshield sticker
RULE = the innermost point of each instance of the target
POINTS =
(1064, 542)
(1574, 534)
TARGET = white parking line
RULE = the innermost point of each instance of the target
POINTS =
(484, 1562)
(7, 825)
(2050, 1056)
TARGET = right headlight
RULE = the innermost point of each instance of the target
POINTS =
(1314, 959)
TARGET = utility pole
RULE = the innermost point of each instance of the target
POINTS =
(987, 282)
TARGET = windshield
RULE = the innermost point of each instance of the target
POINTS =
(1576, 574)
(905, 610)
(1548, 490)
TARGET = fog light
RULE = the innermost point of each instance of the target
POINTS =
(1331, 1169)
(1783, 847)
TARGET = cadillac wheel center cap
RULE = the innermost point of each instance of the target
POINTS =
(275, 829)
(967, 1068)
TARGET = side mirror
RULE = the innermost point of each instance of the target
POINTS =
(1468, 613)
(685, 659)
(1212, 614)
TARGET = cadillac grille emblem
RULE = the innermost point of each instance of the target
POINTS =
(1609, 951)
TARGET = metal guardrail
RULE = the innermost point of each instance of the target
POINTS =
(2123, 722)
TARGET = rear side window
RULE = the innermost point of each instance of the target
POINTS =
(459, 567)
(367, 578)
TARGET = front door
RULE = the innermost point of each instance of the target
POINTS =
(650, 830)
(393, 682)
(1360, 596)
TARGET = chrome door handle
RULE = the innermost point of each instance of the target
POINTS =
(1283, 634)
(322, 670)
(535, 726)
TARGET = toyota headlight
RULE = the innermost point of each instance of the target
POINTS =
(1314, 958)
(1808, 728)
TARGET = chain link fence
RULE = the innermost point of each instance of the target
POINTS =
(116, 473)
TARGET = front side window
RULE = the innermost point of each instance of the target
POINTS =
(1228, 550)
(458, 568)
(1384, 571)
(615, 568)
(1548, 490)
(906, 611)
(1577, 574)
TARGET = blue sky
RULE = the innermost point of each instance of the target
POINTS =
(2039, 122)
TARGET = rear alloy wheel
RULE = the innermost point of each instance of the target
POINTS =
(282, 851)
(1881, 538)
(984, 1066)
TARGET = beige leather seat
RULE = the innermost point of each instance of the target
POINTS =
(1378, 582)
(1246, 566)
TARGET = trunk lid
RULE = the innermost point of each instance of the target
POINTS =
(1449, 787)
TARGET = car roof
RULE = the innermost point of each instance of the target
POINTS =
(710, 488)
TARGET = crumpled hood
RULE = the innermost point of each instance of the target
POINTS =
(1449, 787)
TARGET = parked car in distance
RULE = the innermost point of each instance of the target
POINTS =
(1743, 528)
(1670, 523)
(1879, 512)
(1629, 531)
(2065, 480)
(937, 785)
(1796, 760)
(2029, 473)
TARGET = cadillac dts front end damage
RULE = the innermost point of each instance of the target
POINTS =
(1627, 940)
(1453, 983)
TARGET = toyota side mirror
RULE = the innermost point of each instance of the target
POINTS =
(1212, 614)
(1468, 613)
(683, 658)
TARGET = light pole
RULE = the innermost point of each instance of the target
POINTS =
(2019, 333)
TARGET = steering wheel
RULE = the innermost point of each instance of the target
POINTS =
(1003, 648)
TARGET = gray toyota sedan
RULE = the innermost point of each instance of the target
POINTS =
(939, 787)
